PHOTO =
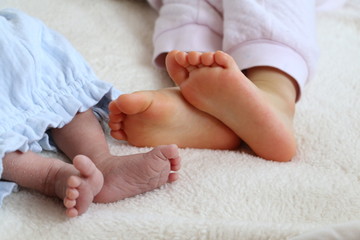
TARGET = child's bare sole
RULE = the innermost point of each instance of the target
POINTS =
(80, 189)
(213, 83)
(151, 118)
(127, 176)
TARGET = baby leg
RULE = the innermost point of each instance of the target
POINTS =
(127, 176)
(124, 176)
(76, 184)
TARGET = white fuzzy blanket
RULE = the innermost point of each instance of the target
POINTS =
(220, 194)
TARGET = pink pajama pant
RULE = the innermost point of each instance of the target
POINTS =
(274, 33)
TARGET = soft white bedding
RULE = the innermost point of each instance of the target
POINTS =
(220, 194)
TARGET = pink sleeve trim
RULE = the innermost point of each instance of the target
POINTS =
(272, 54)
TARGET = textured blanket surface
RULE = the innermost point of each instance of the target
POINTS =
(220, 194)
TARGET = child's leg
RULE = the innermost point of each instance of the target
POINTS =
(258, 108)
(76, 184)
(151, 118)
(124, 176)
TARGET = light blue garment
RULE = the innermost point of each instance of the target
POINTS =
(44, 82)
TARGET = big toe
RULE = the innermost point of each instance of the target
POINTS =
(89, 172)
(85, 166)
(135, 103)
(224, 60)
(168, 151)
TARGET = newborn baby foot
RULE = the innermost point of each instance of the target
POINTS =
(127, 176)
(80, 189)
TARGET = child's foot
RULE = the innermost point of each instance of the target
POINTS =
(78, 190)
(127, 176)
(213, 83)
(152, 118)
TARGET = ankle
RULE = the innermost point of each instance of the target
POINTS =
(100, 160)
(51, 185)
(274, 81)
(277, 85)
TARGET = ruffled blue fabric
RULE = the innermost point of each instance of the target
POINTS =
(44, 82)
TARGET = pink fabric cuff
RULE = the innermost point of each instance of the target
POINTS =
(190, 37)
(272, 54)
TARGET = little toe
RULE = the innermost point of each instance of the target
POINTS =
(181, 59)
(72, 212)
(173, 177)
(176, 70)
